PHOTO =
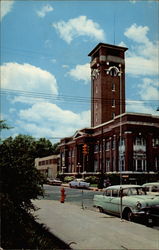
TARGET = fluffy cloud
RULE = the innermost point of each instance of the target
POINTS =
(137, 65)
(148, 91)
(81, 72)
(137, 33)
(6, 7)
(144, 61)
(80, 26)
(140, 107)
(26, 77)
(44, 10)
(54, 121)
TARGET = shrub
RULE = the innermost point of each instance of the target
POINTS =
(68, 179)
(92, 179)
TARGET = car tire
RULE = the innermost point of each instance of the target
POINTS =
(128, 215)
(100, 209)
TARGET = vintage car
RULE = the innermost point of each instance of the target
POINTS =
(79, 183)
(129, 201)
(55, 182)
(151, 188)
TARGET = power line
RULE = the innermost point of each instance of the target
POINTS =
(67, 98)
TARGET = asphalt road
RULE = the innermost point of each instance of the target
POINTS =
(80, 197)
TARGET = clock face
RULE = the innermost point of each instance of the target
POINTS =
(113, 71)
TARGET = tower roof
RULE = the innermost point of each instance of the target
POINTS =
(109, 46)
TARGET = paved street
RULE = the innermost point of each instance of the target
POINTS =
(75, 196)
(85, 229)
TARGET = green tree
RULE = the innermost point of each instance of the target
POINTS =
(20, 184)
(3, 125)
(43, 148)
(56, 148)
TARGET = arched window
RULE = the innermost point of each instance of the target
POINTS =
(140, 141)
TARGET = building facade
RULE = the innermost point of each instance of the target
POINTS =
(48, 165)
(116, 142)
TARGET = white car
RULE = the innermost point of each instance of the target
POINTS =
(79, 183)
(151, 188)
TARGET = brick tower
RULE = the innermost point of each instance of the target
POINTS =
(108, 82)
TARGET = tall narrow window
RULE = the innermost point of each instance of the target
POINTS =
(113, 115)
(113, 102)
(113, 86)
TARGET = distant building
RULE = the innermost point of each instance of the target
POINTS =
(48, 165)
(116, 142)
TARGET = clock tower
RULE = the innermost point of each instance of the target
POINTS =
(107, 82)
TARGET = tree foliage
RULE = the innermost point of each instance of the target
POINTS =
(3, 125)
(21, 182)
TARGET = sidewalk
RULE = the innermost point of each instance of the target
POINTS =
(85, 229)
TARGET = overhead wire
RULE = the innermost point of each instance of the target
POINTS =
(71, 98)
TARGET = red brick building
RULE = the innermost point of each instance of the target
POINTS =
(116, 141)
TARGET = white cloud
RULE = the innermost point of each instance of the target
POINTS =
(6, 7)
(81, 72)
(137, 33)
(50, 120)
(137, 65)
(140, 107)
(143, 57)
(79, 26)
(44, 10)
(26, 77)
(149, 89)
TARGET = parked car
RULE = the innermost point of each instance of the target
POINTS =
(135, 202)
(151, 188)
(55, 182)
(79, 183)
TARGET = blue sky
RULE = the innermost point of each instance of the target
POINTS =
(45, 74)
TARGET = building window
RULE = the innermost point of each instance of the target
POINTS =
(107, 145)
(113, 164)
(107, 165)
(155, 142)
(140, 164)
(113, 102)
(113, 86)
(122, 163)
(95, 165)
(113, 115)
(96, 148)
(113, 144)
(140, 141)
(157, 163)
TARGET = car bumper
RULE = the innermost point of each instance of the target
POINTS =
(149, 214)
